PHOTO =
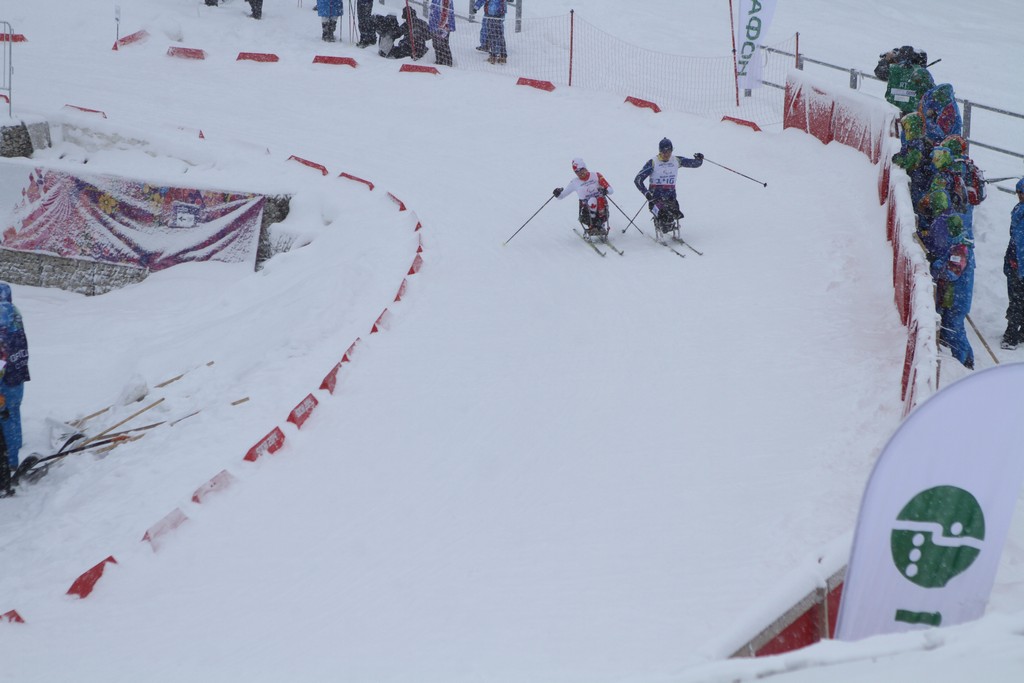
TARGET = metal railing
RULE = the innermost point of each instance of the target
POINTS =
(6, 65)
(857, 76)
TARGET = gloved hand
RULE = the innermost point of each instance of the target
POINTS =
(649, 195)
(603, 191)
(698, 156)
(557, 192)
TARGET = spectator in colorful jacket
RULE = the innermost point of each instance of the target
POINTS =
(915, 156)
(952, 266)
(14, 353)
(906, 75)
(969, 178)
(1013, 268)
(442, 23)
(941, 113)
(944, 194)
(661, 195)
(494, 28)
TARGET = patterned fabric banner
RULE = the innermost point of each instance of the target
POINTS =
(119, 220)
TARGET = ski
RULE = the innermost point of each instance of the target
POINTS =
(30, 470)
(687, 245)
(589, 243)
(667, 246)
(611, 246)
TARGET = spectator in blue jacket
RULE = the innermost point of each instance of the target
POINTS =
(1013, 268)
(442, 23)
(329, 11)
(494, 28)
(14, 353)
(952, 266)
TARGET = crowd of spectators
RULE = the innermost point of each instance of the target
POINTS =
(945, 186)
(411, 37)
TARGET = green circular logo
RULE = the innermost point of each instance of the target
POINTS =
(937, 536)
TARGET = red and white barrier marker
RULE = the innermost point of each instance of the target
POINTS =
(217, 482)
(636, 101)
(84, 584)
(310, 164)
(269, 444)
(301, 412)
(534, 83)
(169, 523)
(185, 52)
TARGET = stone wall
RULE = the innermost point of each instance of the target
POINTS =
(73, 275)
(22, 138)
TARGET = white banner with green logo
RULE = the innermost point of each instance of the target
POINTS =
(755, 16)
(937, 510)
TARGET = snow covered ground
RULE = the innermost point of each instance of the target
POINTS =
(547, 466)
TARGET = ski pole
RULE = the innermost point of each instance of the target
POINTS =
(626, 216)
(999, 180)
(528, 220)
(736, 172)
(107, 431)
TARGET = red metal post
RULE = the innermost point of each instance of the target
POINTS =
(735, 74)
(572, 34)
(412, 41)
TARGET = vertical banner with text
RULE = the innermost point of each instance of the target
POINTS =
(937, 510)
(755, 17)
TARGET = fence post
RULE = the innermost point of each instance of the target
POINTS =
(7, 65)
(822, 595)
(572, 36)
(967, 121)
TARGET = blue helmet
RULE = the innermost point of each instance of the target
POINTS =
(1020, 185)
(665, 145)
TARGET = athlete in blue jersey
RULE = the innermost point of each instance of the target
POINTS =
(661, 192)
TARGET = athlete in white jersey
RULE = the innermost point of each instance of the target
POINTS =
(592, 189)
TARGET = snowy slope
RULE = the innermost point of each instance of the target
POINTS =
(549, 466)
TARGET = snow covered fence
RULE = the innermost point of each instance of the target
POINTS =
(799, 610)
(867, 124)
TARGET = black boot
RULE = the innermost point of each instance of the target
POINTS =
(334, 26)
(257, 8)
(328, 32)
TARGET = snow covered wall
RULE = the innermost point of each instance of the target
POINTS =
(866, 124)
